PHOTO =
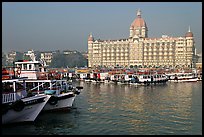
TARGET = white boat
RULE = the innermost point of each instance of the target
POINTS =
(31, 69)
(121, 83)
(62, 93)
(87, 79)
(200, 77)
(109, 81)
(148, 79)
(17, 106)
(183, 77)
(38, 82)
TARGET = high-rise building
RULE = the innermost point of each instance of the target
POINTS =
(140, 51)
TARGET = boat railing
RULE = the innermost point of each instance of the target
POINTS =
(6, 98)
(37, 87)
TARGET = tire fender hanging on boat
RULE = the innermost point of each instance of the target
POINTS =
(53, 100)
(18, 105)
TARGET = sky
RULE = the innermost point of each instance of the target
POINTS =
(49, 26)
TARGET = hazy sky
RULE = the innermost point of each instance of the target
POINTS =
(47, 26)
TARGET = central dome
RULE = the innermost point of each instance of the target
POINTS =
(138, 22)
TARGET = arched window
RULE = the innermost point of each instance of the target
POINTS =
(135, 66)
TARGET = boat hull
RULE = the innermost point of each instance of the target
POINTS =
(63, 101)
(29, 112)
(184, 80)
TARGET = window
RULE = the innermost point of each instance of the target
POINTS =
(30, 66)
(24, 67)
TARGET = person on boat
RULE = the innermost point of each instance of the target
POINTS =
(176, 77)
(151, 78)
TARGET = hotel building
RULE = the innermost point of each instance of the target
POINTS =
(140, 51)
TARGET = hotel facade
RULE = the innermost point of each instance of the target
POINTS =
(140, 51)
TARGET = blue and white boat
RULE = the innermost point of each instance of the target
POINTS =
(17, 106)
(62, 93)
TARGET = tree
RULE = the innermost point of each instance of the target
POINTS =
(72, 60)
(19, 56)
(57, 60)
(26, 57)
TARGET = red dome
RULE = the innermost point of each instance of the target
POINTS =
(189, 34)
(138, 22)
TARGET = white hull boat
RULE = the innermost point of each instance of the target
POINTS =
(24, 110)
(62, 93)
(62, 101)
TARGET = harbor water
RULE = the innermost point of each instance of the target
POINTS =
(109, 109)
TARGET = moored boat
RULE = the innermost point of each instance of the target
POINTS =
(39, 80)
(183, 77)
(17, 106)
(146, 79)
(62, 93)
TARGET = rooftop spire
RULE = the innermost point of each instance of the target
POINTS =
(90, 37)
(189, 29)
(139, 13)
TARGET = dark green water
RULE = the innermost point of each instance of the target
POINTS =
(107, 109)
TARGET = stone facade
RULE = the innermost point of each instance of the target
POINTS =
(140, 51)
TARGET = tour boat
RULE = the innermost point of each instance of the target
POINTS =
(183, 77)
(31, 69)
(62, 93)
(61, 96)
(17, 106)
(148, 79)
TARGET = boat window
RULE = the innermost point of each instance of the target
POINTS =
(30, 67)
(19, 86)
(36, 66)
(24, 66)
(7, 87)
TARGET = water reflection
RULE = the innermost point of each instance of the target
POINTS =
(100, 109)
(163, 108)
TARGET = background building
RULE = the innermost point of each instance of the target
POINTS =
(140, 51)
(11, 56)
(47, 56)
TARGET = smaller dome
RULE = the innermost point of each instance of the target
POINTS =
(189, 34)
(90, 38)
